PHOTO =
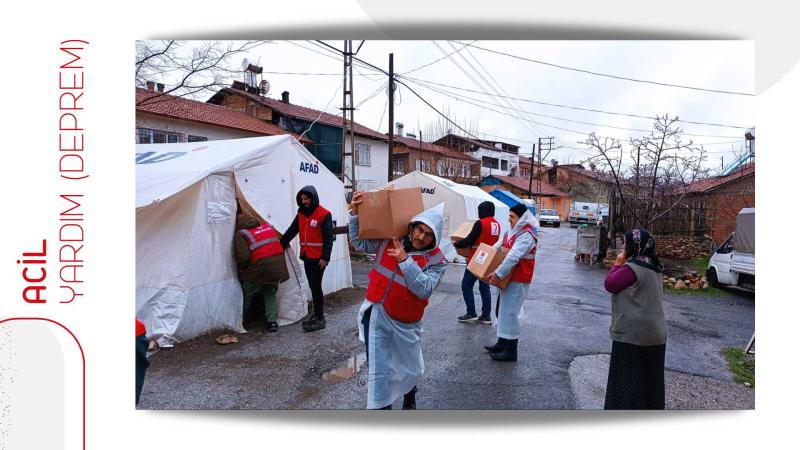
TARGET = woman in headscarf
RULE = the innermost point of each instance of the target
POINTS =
(521, 259)
(638, 327)
(405, 273)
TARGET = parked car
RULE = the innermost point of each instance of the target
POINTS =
(734, 262)
(549, 217)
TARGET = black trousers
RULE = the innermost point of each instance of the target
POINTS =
(141, 363)
(635, 377)
(314, 277)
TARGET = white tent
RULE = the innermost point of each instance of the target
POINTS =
(460, 204)
(186, 281)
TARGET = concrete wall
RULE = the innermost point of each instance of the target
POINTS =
(377, 173)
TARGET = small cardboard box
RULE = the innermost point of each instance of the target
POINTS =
(460, 233)
(385, 214)
(485, 261)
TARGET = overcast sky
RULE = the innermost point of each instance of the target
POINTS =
(719, 65)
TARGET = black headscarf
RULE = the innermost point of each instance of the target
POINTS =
(311, 192)
(519, 209)
(485, 209)
(640, 249)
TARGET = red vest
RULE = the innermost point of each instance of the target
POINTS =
(310, 231)
(262, 241)
(386, 281)
(523, 273)
(490, 234)
(140, 329)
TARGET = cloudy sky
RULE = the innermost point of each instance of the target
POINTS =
(465, 75)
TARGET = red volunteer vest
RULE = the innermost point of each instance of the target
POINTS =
(311, 233)
(523, 273)
(490, 234)
(262, 241)
(386, 280)
(140, 329)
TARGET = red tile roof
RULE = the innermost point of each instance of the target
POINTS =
(413, 143)
(711, 183)
(577, 168)
(194, 111)
(527, 161)
(522, 183)
(302, 112)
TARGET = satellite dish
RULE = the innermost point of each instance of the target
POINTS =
(245, 63)
(264, 87)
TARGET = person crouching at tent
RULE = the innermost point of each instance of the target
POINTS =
(261, 264)
(486, 230)
(405, 273)
(521, 258)
(315, 226)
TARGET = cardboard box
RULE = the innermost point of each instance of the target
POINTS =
(385, 214)
(485, 261)
(460, 233)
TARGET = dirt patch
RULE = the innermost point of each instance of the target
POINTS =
(343, 298)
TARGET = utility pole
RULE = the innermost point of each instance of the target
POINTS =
(391, 115)
(548, 141)
(347, 120)
(530, 175)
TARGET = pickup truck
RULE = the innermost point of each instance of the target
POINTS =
(734, 262)
(585, 213)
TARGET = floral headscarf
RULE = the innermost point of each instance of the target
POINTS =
(640, 248)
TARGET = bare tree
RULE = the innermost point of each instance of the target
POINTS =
(653, 176)
(188, 72)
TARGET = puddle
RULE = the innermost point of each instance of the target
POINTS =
(347, 370)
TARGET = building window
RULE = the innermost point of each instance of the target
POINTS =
(362, 155)
(197, 138)
(424, 166)
(399, 166)
(490, 163)
(465, 170)
(366, 185)
(503, 164)
(150, 136)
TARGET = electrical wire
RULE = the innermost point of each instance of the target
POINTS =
(578, 108)
(618, 77)
(437, 60)
(322, 110)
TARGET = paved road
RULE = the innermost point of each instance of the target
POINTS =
(567, 317)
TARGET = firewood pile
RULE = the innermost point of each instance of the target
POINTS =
(682, 247)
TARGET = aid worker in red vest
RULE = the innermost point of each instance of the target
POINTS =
(257, 248)
(521, 260)
(486, 230)
(405, 273)
(314, 226)
(141, 357)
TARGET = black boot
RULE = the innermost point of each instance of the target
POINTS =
(498, 347)
(410, 399)
(509, 353)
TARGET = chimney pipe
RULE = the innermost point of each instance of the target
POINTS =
(285, 97)
(399, 127)
(160, 87)
(151, 85)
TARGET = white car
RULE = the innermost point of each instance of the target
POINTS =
(549, 217)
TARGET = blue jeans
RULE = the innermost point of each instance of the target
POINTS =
(467, 283)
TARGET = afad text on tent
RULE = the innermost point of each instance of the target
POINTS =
(67, 256)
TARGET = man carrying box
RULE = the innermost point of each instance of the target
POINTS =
(405, 273)
(521, 243)
(486, 230)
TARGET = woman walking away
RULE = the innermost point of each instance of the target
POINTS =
(521, 258)
(639, 341)
(405, 273)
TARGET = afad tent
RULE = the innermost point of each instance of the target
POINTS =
(460, 204)
(186, 196)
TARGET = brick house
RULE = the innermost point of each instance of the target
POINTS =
(410, 153)
(580, 184)
(371, 147)
(164, 118)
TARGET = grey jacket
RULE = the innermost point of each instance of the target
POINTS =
(637, 313)
(522, 245)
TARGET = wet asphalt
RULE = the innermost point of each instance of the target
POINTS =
(567, 315)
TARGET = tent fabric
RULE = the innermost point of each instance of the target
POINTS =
(510, 199)
(460, 204)
(745, 239)
(186, 196)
